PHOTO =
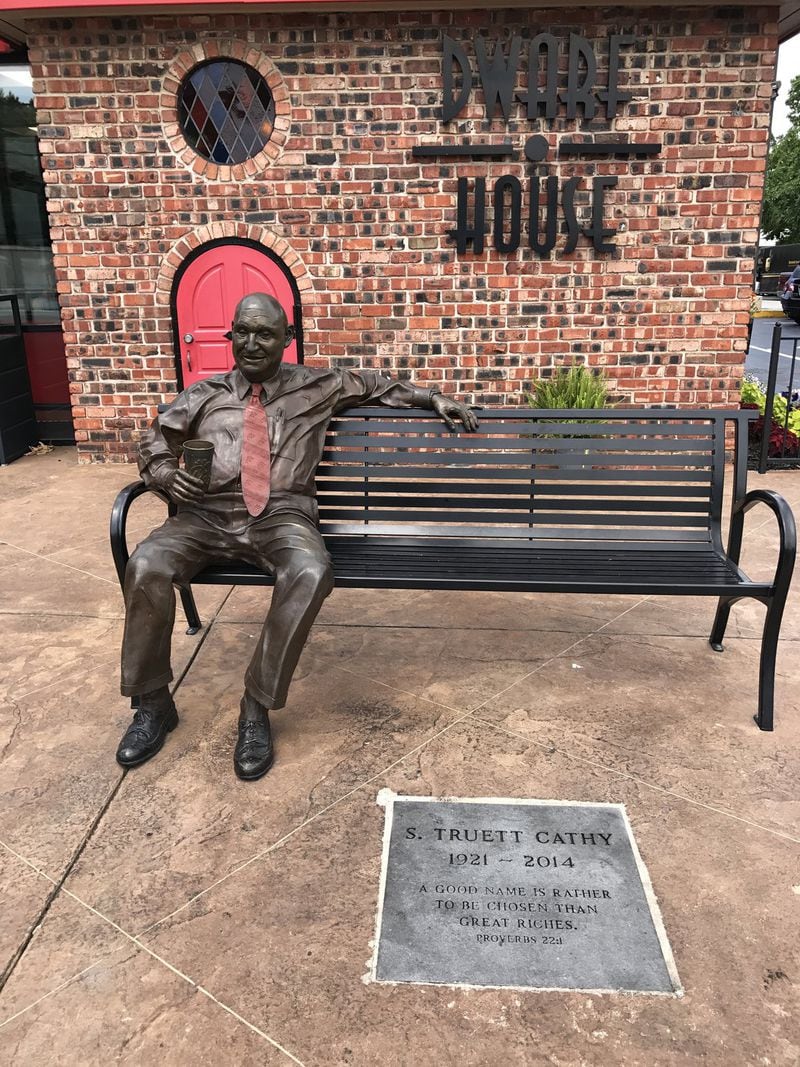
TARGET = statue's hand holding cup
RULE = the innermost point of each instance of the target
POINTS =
(189, 484)
(198, 457)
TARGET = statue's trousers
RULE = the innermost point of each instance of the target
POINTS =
(285, 544)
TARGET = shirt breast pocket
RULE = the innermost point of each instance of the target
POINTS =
(276, 430)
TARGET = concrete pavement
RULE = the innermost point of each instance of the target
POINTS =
(173, 914)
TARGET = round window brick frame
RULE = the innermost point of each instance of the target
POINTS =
(184, 63)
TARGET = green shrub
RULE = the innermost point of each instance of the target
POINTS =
(752, 393)
(570, 387)
(755, 395)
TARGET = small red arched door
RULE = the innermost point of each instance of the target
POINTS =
(208, 292)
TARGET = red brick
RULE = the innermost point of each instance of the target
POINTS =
(374, 222)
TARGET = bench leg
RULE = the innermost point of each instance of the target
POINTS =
(766, 673)
(190, 609)
(720, 623)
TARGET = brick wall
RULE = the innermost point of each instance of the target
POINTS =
(364, 227)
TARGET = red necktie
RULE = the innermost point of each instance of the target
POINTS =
(255, 454)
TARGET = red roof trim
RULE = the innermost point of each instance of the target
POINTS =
(46, 6)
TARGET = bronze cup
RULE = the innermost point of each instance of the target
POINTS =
(197, 458)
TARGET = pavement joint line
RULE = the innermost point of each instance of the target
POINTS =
(66, 666)
(439, 704)
(563, 652)
(59, 887)
(58, 563)
(62, 985)
(80, 674)
(206, 630)
(760, 526)
(697, 636)
(301, 826)
(238, 623)
(250, 1025)
(394, 688)
(184, 977)
(130, 529)
(63, 615)
(238, 630)
(552, 747)
(11, 965)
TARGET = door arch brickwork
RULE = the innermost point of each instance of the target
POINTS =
(206, 292)
(190, 243)
(215, 231)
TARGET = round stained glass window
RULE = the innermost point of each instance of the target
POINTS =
(226, 111)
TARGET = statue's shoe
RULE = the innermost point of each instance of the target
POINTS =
(146, 734)
(253, 755)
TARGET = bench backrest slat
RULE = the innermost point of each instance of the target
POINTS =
(498, 489)
(522, 475)
(606, 476)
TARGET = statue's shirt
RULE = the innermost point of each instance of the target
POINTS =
(300, 402)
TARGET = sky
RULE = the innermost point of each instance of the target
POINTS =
(788, 68)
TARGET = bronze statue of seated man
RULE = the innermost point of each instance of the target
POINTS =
(267, 421)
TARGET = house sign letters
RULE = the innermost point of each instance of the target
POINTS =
(550, 204)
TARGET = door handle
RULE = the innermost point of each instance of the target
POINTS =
(188, 359)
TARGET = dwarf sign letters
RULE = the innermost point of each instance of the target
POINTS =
(578, 94)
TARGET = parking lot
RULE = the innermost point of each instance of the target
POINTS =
(757, 362)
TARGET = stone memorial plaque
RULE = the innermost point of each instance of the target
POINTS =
(525, 894)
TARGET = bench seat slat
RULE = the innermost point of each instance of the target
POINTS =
(540, 543)
(534, 569)
(538, 518)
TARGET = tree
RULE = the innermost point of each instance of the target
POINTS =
(13, 112)
(781, 215)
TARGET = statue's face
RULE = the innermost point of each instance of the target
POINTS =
(260, 335)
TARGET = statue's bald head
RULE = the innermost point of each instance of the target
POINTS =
(261, 302)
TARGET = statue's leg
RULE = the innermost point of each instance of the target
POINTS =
(293, 549)
(173, 553)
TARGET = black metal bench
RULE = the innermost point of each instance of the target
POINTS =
(616, 501)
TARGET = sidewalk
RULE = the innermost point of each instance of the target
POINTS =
(175, 915)
(770, 309)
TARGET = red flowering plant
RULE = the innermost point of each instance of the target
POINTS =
(782, 442)
(784, 431)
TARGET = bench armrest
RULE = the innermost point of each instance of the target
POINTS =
(786, 528)
(119, 518)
